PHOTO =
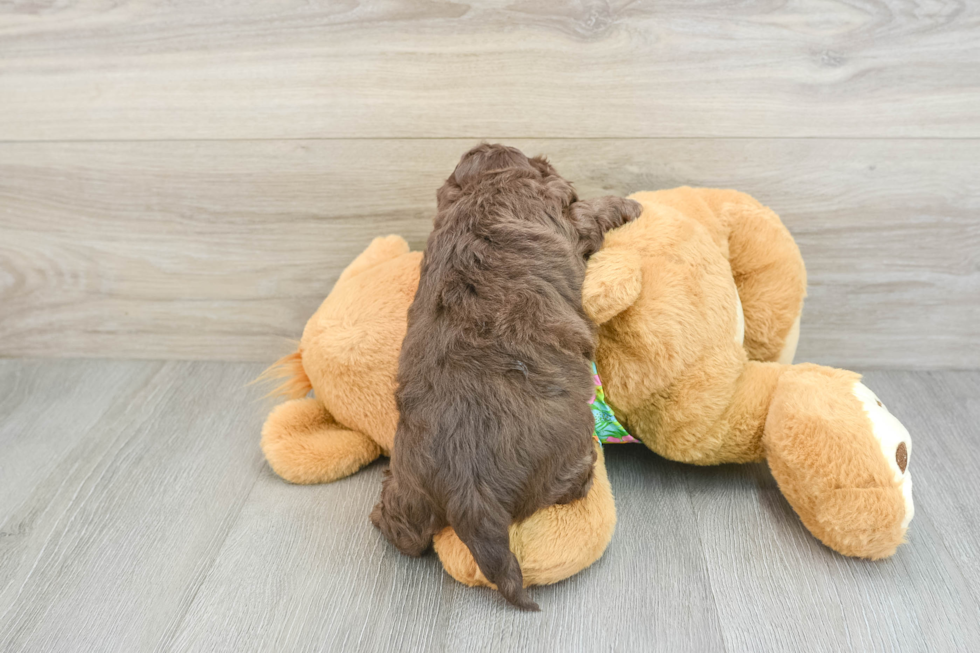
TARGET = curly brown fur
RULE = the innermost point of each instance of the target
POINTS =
(494, 377)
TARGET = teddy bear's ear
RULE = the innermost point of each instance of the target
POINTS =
(381, 249)
(613, 281)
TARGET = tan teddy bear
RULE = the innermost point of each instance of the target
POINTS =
(692, 298)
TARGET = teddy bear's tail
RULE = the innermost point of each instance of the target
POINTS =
(292, 378)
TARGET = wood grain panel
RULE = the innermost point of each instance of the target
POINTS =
(39, 438)
(304, 569)
(89, 69)
(222, 250)
(944, 435)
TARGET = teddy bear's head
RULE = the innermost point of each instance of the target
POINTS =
(841, 459)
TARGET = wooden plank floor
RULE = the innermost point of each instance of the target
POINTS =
(136, 514)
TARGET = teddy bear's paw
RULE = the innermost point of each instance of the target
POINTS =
(457, 559)
(303, 444)
(894, 440)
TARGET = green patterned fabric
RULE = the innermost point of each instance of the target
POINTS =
(607, 427)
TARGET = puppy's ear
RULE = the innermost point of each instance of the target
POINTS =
(613, 281)
(447, 194)
(541, 164)
(556, 185)
(562, 190)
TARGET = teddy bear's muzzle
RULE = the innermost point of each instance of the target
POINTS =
(894, 441)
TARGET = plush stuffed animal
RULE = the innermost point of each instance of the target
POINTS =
(348, 356)
(693, 299)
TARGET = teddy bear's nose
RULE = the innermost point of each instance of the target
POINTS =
(902, 456)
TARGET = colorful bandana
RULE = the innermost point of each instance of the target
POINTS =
(607, 427)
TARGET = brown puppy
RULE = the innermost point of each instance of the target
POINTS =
(494, 378)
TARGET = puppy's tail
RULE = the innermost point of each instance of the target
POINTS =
(291, 375)
(483, 529)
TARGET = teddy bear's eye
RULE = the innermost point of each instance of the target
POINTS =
(880, 405)
(902, 456)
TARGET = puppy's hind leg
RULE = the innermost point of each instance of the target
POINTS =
(580, 481)
(404, 516)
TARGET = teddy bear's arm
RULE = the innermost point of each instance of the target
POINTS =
(765, 261)
(770, 278)
(305, 445)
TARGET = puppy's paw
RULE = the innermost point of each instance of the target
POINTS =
(404, 520)
(630, 210)
(376, 516)
(612, 211)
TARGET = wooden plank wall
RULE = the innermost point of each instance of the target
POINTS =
(186, 179)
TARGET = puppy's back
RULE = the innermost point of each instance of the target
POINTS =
(494, 375)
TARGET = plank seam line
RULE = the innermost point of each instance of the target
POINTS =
(485, 137)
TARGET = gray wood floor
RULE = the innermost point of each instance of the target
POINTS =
(137, 514)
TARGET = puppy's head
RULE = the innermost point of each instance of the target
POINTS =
(483, 159)
(488, 158)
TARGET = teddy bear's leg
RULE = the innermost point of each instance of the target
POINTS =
(381, 249)
(714, 422)
(552, 544)
(304, 444)
(841, 460)
(770, 278)
(766, 264)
